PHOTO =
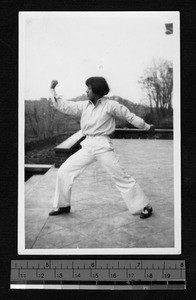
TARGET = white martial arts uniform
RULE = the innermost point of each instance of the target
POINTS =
(97, 123)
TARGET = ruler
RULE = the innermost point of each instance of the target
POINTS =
(98, 274)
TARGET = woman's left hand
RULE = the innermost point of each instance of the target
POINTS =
(152, 128)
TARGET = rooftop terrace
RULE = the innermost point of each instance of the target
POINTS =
(99, 217)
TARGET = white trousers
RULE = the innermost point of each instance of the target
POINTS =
(98, 148)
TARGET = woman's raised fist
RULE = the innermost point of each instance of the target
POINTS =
(53, 84)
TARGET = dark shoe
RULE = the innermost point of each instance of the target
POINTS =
(146, 212)
(60, 210)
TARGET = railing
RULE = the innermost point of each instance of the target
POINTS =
(33, 169)
(72, 144)
(67, 148)
(126, 133)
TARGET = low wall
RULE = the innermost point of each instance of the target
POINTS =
(33, 169)
(67, 148)
(125, 133)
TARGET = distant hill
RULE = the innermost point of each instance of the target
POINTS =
(80, 98)
(43, 121)
(139, 109)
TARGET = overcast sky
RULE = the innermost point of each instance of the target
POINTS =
(73, 46)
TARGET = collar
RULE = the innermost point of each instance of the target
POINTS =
(99, 101)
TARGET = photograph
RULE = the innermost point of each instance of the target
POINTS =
(99, 133)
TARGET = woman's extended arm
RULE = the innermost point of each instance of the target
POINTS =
(122, 111)
(64, 105)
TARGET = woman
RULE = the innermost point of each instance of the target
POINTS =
(97, 123)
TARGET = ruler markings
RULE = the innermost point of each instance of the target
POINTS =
(117, 271)
(92, 266)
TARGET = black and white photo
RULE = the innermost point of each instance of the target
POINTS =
(99, 133)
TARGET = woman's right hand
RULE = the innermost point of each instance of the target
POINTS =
(53, 84)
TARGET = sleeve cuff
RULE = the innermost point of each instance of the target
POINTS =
(53, 95)
(147, 126)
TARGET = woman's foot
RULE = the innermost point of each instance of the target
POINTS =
(60, 210)
(146, 212)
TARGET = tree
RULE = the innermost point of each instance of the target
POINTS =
(158, 84)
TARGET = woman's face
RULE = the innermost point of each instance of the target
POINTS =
(92, 96)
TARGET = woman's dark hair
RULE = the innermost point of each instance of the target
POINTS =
(99, 85)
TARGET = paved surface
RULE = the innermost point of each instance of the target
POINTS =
(99, 217)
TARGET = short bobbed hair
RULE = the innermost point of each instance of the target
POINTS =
(99, 85)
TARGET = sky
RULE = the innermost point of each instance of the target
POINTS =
(72, 46)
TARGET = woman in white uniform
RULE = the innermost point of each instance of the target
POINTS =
(97, 123)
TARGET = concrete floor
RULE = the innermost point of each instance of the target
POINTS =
(99, 217)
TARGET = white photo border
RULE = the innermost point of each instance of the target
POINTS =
(176, 154)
